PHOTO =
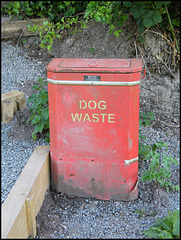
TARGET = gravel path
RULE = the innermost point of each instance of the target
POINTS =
(79, 218)
(16, 70)
(62, 217)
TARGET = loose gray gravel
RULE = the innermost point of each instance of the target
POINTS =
(79, 218)
(16, 70)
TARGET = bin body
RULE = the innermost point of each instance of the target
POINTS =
(94, 127)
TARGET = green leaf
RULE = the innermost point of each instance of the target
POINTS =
(176, 225)
(176, 22)
(34, 136)
(98, 19)
(136, 14)
(157, 17)
(158, 4)
(148, 14)
(138, 22)
(142, 136)
(152, 232)
(127, 3)
(151, 115)
(45, 113)
(165, 235)
(146, 176)
(16, 4)
(116, 33)
(166, 2)
(141, 30)
(148, 22)
(140, 39)
(45, 23)
(35, 120)
(39, 128)
(160, 222)
(49, 47)
(47, 139)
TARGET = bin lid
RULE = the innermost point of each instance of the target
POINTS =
(95, 65)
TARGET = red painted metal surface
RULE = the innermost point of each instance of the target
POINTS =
(94, 127)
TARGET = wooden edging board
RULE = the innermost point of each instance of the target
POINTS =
(16, 28)
(23, 203)
(10, 103)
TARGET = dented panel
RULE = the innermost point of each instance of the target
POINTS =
(94, 127)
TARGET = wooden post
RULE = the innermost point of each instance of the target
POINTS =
(30, 212)
(7, 111)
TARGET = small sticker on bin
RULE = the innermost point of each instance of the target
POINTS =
(92, 78)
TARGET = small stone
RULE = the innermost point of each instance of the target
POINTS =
(160, 197)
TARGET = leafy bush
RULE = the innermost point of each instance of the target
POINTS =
(53, 10)
(52, 31)
(166, 228)
(112, 13)
(39, 109)
(146, 14)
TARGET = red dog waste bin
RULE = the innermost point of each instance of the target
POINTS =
(94, 127)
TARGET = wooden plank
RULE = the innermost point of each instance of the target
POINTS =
(39, 188)
(34, 180)
(10, 103)
(17, 220)
(15, 28)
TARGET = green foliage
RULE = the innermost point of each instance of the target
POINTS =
(39, 109)
(159, 165)
(53, 10)
(159, 169)
(112, 13)
(145, 119)
(166, 228)
(49, 31)
(92, 50)
(142, 213)
(115, 14)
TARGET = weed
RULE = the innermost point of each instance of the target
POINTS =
(142, 213)
(159, 169)
(92, 50)
(166, 228)
(39, 109)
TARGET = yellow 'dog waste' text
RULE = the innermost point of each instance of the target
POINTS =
(94, 117)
